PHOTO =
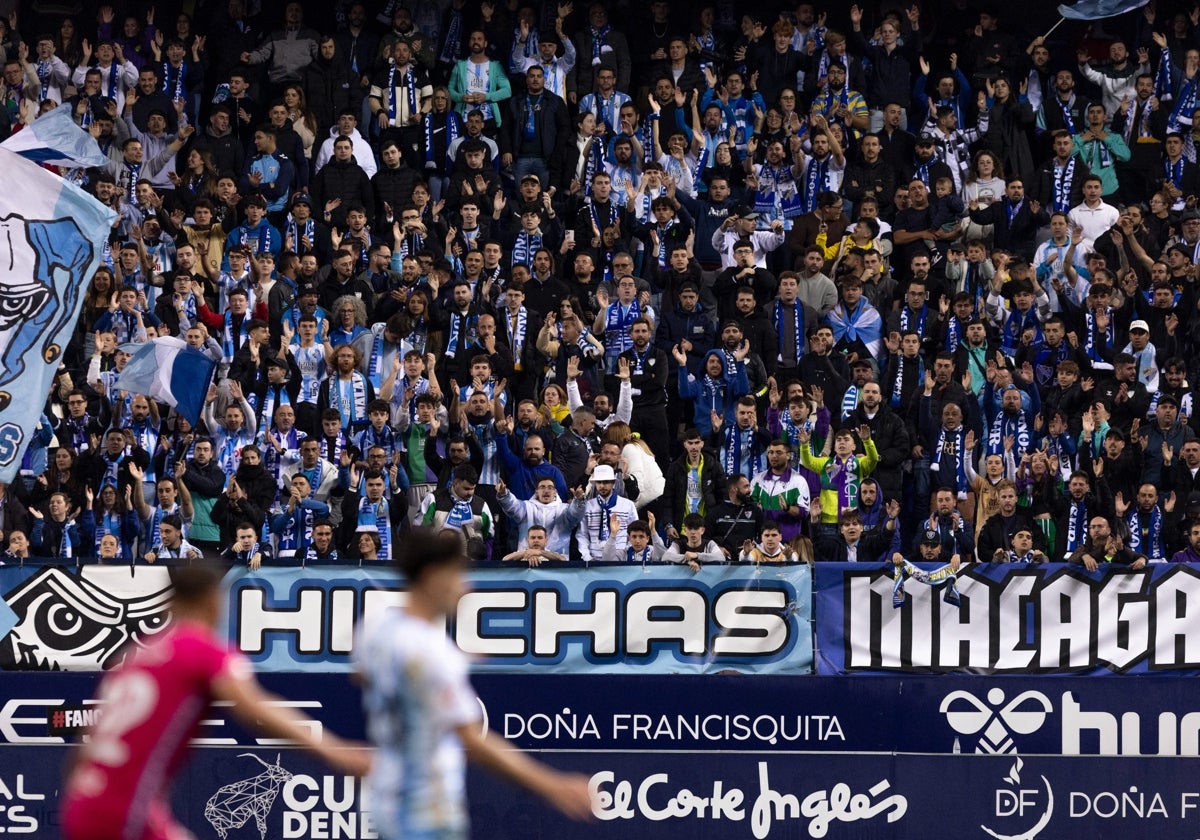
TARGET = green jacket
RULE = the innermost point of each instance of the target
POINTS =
(498, 87)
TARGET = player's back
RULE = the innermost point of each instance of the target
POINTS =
(416, 694)
(150, 708)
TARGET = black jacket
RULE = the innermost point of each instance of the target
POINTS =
(893, 443)
(712, 482)
(392, 187)
(347, 181)
(997, 534)
(730, 524)
(553, 126)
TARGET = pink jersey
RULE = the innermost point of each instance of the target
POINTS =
(152, 705)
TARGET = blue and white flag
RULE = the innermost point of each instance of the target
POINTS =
(55, 139)
(52, 236)
(169, 370)
(1097, 9)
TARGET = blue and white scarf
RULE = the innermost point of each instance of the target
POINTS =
(740, 456)
(349, 399)
(1089, 340)
(616, 329)
(228, 348)
(524, 247)
(461, 334)
(816, 181)
(906, 320)
(1077, 519)
(1008, 425)
(263, 235)
(1152, 544)
(943, 576)
(1014, 328)
(453, 130)
(410, 89)
(898, 387)
(461, 512)
(292, 231)
(599, 41)
(452, 46)
(1184, 105)
(1064, 178)
(849, 401)
(176, 89)
(375, 516)
(951, 444)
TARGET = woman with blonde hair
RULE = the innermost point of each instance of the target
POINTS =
(639, 462)
(554, 408)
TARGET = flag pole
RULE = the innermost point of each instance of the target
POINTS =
(1052, 28)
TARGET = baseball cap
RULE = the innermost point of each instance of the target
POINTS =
(931, 537)
(301, 198)
(926, 138)
(1139, 325)
(743, 211)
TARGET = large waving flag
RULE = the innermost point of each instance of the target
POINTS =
(1097, 9)
(51, 237)
(55, 139)
(169, 370)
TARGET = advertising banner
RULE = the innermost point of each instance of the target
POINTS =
(706, 757)
(1055, 618)
(597, 619)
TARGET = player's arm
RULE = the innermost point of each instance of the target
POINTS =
(254, 708)
(568, 792)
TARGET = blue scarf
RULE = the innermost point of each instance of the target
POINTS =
(906, 324)
(292, 231)
(1068, 120)
(899, 386)
(264, 236)
(749, 463)
(1077, 524)
(1164, 87)
(1015, 326)
(599, 37)
(849, 401)
(815, 181)
(1089, 341)
(953, 334)
(461, 513)
(461, 334)
(606, 509)
(922, 170)
(951, 448)
(453, 130)
(593, 163)
(1184, 105)
(135, 172)
(452, 46)
(178, 89)
(297, 533)
(43, 74)
(1153, 545)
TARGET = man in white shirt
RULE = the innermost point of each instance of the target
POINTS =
(740, 224)
(595, 529)
(1093, 215)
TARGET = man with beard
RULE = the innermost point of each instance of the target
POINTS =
(476, 82)
(734, 519)
(1073, 510)
(347, 390)
(756, 327)
(1058, 184)
(890, 435)
(997, 532)
(527, 472)
(870, 175)
(730, 342)
(605, 503)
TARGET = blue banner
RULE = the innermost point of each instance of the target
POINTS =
(596, 620)
(714, 757)
(1056, 618)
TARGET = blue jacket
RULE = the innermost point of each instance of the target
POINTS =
(522, 478)
(709, 395)
(277, 172)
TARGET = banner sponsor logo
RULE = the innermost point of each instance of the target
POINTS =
(597, 620)
(1056, 618)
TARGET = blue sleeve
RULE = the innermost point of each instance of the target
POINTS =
(317, 507)
(279, 522)
(103, 323)
(511, 462)
(87, 529)
(740, 383)
(920, 97)
(965, 93)
(561, 484)
(688, 389)
(283, 181)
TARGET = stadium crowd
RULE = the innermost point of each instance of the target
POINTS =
(686, 283)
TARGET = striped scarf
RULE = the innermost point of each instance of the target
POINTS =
(943, 576)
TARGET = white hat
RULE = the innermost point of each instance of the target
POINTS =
(603, 472)
(1139, 325)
